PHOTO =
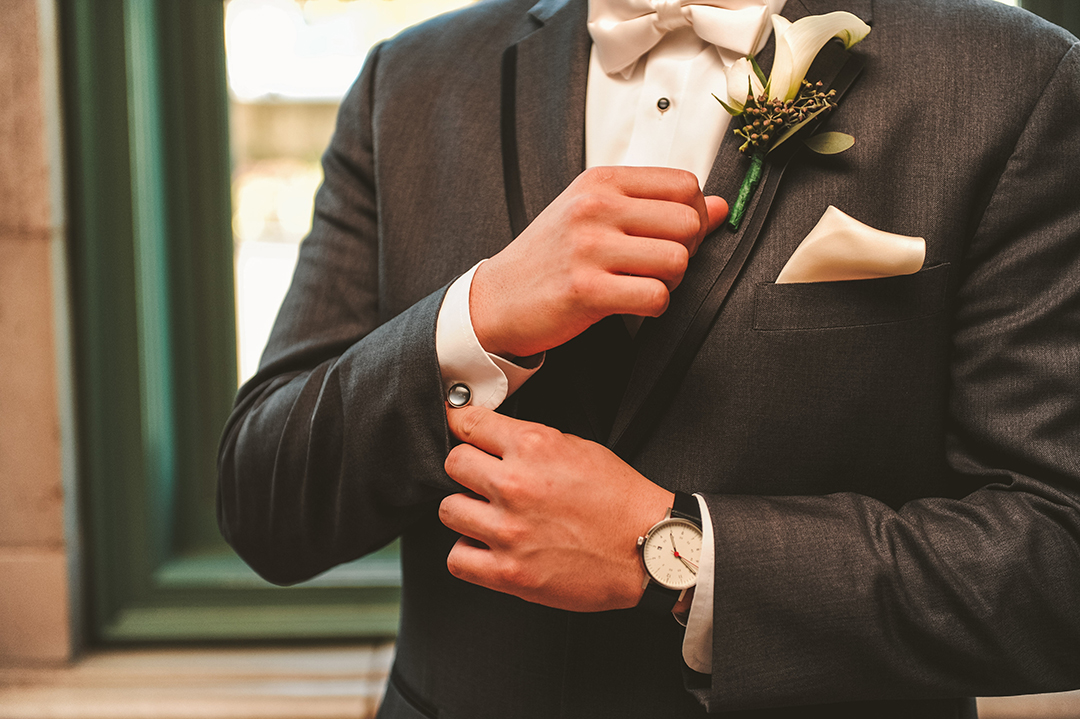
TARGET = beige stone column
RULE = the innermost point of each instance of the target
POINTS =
(36, 438)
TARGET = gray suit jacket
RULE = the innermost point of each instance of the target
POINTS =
(892, 466)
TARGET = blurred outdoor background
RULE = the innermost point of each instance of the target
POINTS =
(289, 63)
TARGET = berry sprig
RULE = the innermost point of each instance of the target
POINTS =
(764, 120)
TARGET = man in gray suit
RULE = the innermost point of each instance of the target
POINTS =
(890, 467)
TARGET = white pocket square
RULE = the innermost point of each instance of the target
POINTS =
(842, 248)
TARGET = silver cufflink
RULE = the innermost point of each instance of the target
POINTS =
(459, 395)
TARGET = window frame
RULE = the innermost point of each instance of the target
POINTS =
(146, 126)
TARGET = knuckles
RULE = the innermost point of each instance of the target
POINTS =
(536, 440)
(588, 206)
(584, 288)
(517, 576)
(598, 175)
(508, 533)
(585, 247)
(513, 488)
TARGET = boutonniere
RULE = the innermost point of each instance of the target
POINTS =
(773, 110)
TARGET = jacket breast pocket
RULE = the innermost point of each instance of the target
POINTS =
(850, 303)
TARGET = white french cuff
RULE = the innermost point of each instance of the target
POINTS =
(697, 641)
(463, 360)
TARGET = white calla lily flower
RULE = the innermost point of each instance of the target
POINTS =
(776, 112)
(741, 78)
(799, 42)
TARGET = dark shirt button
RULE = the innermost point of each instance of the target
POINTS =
(663, 104)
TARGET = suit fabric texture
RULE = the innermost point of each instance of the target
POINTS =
(892, 466)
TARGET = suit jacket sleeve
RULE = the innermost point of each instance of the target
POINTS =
(842, 597)
(338, 441)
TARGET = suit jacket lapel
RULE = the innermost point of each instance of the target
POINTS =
(547, 119)
(666, 346)
(543, 144)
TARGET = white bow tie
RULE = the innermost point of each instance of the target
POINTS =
(624, 30)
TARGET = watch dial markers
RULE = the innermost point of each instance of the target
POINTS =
(672, 553)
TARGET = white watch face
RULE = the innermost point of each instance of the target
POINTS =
(672, 552)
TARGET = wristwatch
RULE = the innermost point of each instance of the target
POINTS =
(671, 552)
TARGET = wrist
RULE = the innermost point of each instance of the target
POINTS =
(670, 555)
(651, 508)
(481, 310)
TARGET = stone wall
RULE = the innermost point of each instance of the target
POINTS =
(35, 606)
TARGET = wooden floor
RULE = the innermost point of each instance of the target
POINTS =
(272, 683)
(1041, 706)
(258, 683)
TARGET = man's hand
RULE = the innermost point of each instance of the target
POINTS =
(549, 517)
(616, 241)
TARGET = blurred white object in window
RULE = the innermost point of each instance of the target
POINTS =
(289, 63)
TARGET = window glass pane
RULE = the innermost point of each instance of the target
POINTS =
(289, 64)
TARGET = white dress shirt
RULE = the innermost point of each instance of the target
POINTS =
(660, 113)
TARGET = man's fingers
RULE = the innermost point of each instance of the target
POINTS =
(469, 516)
(653, 225)
(627, 295)
(494, 433)
(661, 184)
(656, 183)
(542, 289)
(472, 468)
(665, 260)
(712, 211)
(718, 211)
(662, 219)
(472, 562)
(482, 428)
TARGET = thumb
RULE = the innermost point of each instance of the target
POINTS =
(482, 428)
(718, 211)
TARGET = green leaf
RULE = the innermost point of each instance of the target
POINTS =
(829, 143)
(731, 110)
(788, 133)
(757, 71)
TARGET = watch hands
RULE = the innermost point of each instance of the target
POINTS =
(674, 550)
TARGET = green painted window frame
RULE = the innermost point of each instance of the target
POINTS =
(152, 284)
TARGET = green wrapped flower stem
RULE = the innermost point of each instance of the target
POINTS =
(749, 184)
